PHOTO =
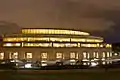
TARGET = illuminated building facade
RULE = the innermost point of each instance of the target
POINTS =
(54, 44)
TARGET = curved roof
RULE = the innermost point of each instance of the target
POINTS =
(52, 31)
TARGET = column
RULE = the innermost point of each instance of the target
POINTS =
(21, 55)
(6, 55)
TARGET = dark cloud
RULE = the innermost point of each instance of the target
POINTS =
(8, 28)
(95, 16)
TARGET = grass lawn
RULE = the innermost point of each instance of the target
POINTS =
(59, 75)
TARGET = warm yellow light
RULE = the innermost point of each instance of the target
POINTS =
(11, 44)
(108, 45)
(108, 54)
(8, 44)
(15, 55)
(103, 54)
(58, 55)
(1, 55)
(53, 31)
(44, 55)
(20, 39)
(72, 55)
(89, 45)
(28, 55)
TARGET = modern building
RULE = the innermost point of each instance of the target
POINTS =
(54, 44)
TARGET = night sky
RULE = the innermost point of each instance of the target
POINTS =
(99, 17)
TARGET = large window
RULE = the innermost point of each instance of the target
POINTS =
(84, 55)
(59, 55)
(78, 40)
(108, 45)
(71, 45)
(37, 44)
(89, 45)
(95, 54)
(65, 45)
(18, 39)
(13, 55)
(12, 44)
(77, 56)
(103, 54)
(108, 54)
(1, 55)
(61, 39)
(38, 39)
(44, 55)
(28, 55)
(88, 55)
(72, 55)
(58, 45)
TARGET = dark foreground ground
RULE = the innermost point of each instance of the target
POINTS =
(101, 74)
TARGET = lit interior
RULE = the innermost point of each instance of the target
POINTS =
(108, 54)
(95, 54)
(62, 39)
(44, 55)
(52, 31)
(28, 55)
(84, 55)
(11, 44)
(72, 55)
(1, 56)
(103, 54)
(13, 55)
(36, 44)
(59, 55)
